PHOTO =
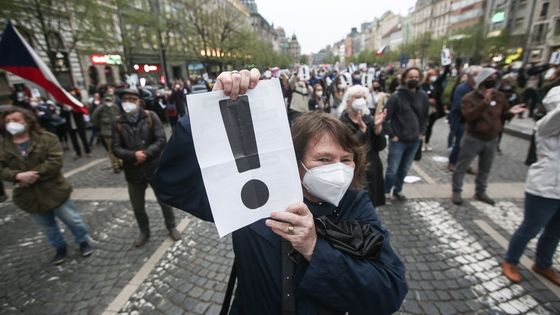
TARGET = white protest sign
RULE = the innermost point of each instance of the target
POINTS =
(445, 57)
(303, 73)
(363, 66)
(205, 77)
(35, 93)
(347, 78)
(555, 58)
(246, 155)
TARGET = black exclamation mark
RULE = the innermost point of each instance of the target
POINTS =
(236, 115)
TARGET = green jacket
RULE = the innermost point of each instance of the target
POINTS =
(45, 157)
(103, 118)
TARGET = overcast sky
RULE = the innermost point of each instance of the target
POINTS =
(318, 23)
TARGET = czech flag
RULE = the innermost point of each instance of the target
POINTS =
(381, 50)
(17, 57)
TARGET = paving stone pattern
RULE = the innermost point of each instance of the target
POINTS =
(30, 285)
(453, 267)
(100, 175)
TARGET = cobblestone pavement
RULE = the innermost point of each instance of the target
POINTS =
(452, 264)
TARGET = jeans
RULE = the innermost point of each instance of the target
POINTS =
(472, 147)
(457, 131)
(137, 194)
(400, 157)
(540, 213)
(68, 214)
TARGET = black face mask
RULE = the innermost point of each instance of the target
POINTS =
(489, 84)
(412, 84)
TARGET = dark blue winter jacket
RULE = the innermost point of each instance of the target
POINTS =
(332, 279)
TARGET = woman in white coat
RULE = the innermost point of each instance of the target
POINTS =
(542, 198)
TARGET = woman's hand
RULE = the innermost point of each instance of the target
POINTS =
(27, 178)
(357, 117)
(297, 227)
(379, 119)
(235, 83)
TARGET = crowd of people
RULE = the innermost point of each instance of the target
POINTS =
(354, 114)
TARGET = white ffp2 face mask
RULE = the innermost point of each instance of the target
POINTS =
(129, 107)
(328, 182)
(360, 104)
(15, 128)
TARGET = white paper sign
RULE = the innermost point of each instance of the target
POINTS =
(303, 73)
(246, 154)
(555, 58)
(445, 57)
(205, 77)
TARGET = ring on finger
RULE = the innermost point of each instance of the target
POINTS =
(290, 229)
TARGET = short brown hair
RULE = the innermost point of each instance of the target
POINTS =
(309, 127)
(29, 117)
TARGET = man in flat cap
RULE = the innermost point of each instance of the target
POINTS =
(138, 139)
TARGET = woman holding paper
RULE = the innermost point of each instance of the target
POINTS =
(289, 264)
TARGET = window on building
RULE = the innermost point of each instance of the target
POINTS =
(522, 4)
(556, 27)
(544, 10)
(519, 23)
(539, 33)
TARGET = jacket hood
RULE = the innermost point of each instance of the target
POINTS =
(552, 99)
(484, 74)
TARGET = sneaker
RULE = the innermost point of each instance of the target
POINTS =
(141, 240)
(548, 273)
(428, 148)
(85, 249)
(174, 234)
(511, 272)
(484, 198)
(60, 256)
(456, 198)
(399, 196)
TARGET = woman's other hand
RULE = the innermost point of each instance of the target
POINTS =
(297, 226)
(235, 83)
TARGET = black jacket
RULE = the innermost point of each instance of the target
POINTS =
(407, 114)
(129, 137)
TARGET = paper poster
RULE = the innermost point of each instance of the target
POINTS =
(303, 73)
(246, 154)
(363, 66)
(347, 78)
(555, 58)
(205, 77)
(445, 57)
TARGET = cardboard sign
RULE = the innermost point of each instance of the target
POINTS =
(246, 155)
(445, 57)
(303, 73)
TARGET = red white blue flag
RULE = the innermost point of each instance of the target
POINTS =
(17, 57)
(381, 50)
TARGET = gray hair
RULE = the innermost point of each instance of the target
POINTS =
(351, 91)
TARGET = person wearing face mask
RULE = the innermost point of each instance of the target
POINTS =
(405, 124)
(301, 94)
(95, 102)
(368, 132)
(320, 279)
(104, 117)
(138, 139)
(32, 158)
(179, 97)
(378, 98)
(76, 128)
(338, 86)
(483, 110)
(318, 102)
(433, 85)
(542, 199)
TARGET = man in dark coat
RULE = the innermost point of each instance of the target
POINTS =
(138, 139)
(406, 123)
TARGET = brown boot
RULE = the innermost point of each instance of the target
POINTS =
(511, 272)
(548, 273)
(142, 239)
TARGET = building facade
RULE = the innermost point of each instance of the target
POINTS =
(544, 36)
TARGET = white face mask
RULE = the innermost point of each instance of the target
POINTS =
(433, 79)
(109, 104)
(341, 86)
(15, 128)
(319, 93)
(328, 182)
(360, 104)
(129, 107)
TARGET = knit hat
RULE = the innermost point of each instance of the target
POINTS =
(484, 74)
